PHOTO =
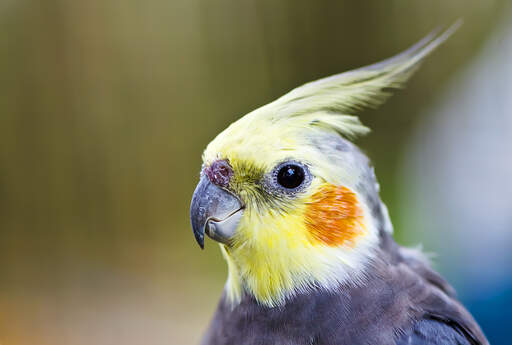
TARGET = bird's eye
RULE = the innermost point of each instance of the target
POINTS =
(290, 176)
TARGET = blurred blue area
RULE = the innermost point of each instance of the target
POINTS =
(491, 309)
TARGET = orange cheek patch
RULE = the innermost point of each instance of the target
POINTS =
(334, 216)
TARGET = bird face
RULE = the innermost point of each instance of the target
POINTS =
(267, 187)
(287, 209)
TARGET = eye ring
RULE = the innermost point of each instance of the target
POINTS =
(290, 177)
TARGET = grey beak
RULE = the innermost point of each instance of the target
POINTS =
(215, 211)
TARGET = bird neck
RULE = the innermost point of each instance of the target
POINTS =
(273, 278)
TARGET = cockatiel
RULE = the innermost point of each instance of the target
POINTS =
(295, 207)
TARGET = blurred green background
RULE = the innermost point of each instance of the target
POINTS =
(105, 108)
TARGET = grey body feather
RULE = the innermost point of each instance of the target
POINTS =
(434, 332)
(403, 302)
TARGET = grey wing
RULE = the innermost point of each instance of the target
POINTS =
(437, 332)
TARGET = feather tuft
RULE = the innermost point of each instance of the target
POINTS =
(349, 92)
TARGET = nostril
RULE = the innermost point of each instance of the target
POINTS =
(219, 173)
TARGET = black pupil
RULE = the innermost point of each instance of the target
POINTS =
(290, 176)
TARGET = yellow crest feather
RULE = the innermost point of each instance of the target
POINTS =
(346, 93)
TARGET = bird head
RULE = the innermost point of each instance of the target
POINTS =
(293, 203)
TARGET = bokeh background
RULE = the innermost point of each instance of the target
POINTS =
(106, 106)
